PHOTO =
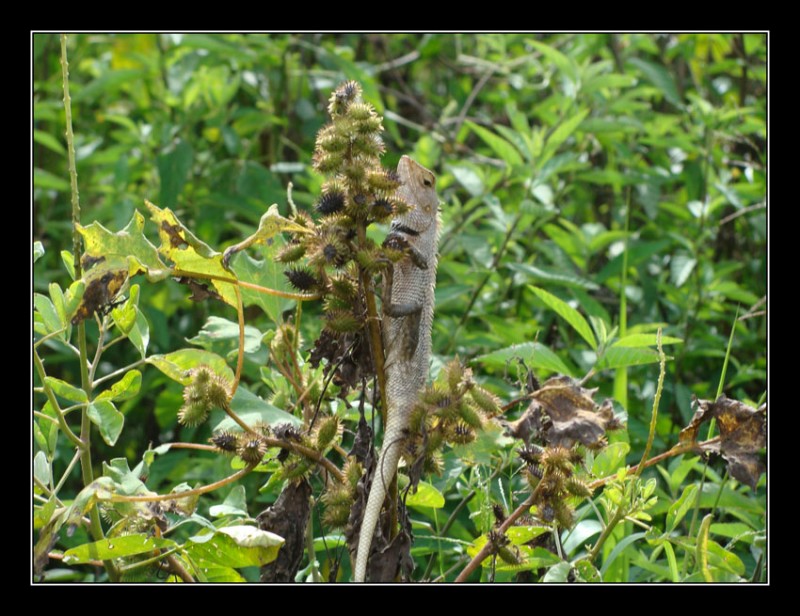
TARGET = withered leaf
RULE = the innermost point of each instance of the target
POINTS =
(287, 517)
(743, 433)
(564, 413)
(102, 285)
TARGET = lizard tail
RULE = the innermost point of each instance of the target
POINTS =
(387, 465)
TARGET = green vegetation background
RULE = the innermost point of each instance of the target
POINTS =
(539, 142)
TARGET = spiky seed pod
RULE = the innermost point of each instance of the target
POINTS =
(262, 428)
(327, 162)
(417, 418)
(461, 434)
(338, 500)
(354, 170)
(557, 459)
(290, 253)
(382, 181)
(532, 477)
(510, 554)
(454, 372)
(547, 513)
(577, 487)
(435, 395)
(342, 322)
(224, 441)
(352, 471)
(361, 111)
(193, 414)
(301, 278)
(435, 440)
(329, 429)
(372, 261)
(331, 202)
(576, 455)
(369, 147)
(470, 414)
(251, 449)
(489, 403)
(296, 470)
(343, 96)
(530, 454)
(381, 209)
(434, 464)
(343, 287)
(331, 140)
(563, 514)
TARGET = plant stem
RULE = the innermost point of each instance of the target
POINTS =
(662, 361)
(95, 527)
(62, 422)
(486, 550)
(618, 516)
(121, 498)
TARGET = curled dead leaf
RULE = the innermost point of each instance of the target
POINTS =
(743, 433)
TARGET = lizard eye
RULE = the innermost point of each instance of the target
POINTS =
(427, 182)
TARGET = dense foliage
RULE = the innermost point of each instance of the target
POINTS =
(596, 189)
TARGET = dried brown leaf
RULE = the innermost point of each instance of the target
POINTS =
(287, 517)
(743, 433)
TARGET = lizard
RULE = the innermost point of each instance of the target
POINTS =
(407, 319)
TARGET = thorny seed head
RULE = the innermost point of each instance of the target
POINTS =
(224, 441)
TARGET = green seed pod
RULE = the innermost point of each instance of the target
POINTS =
(454, 372)
(290, 253)
(488, 402)
(361, 111)
(510, 554)
(352, 471)
(577, 487)
(342, 322)
(329, 429)
(251, 449)
(471, 415)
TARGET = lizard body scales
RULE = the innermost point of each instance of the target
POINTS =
(407, 318)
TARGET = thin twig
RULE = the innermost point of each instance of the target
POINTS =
(747, 210)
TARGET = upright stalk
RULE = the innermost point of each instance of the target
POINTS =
(87, 475)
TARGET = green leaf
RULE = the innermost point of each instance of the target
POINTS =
(564, 63)
(65, 390)
(660, 78)
(234, 504)
(557, 574)
(682, 506)
(468, 178)
(720, 558)
(555, 277)
(523, 534)
(672, 562)
(107, 83)
(124, 389)
(425, 496)
(218, 329)
(618, 549)
(139, 335)
(99, 242)
(568, 313)
(235, 546)
(266, 272)
(41, 468)
(500, 146)
(48, 141)
(69, 263)
(125, 316)
(47, 310)
(534, 354)
(189, 254)
(252, 409)
(107, 418)
(48, 181)
(618, 357)
(580, 535)
(176, 365)
(115, 547)
(560, 135)
(680, 268)
(174, 165)
(38, 250)
(645, 340)
(610, 459)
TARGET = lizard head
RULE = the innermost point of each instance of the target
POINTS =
(419, 191)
